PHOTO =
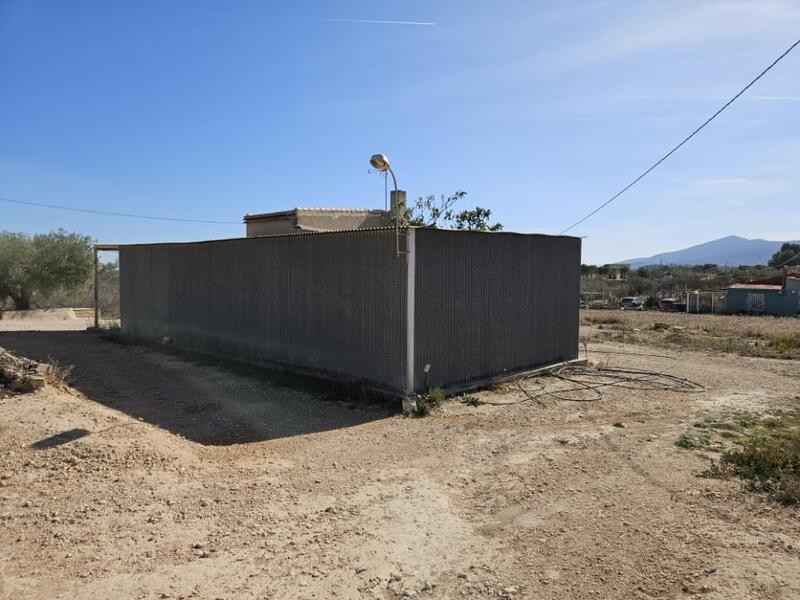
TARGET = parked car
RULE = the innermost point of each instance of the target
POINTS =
(672, 305)
(631, 303)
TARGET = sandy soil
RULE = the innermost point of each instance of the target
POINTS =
(118, 487)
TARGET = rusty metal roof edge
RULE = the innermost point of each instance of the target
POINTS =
(754, 286)
(306, 210)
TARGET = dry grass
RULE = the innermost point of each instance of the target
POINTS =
(764, 451)
(769, 337)
(602, 319)
(56, 375)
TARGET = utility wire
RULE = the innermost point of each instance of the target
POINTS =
(686, 139)
(118, 214)
(786, 262)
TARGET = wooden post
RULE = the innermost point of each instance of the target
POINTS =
(96, 294)
(97, 249)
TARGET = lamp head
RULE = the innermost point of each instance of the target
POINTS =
(379, 162)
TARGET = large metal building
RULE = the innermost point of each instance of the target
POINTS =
(396, 310)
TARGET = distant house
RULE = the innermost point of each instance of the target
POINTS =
(779, 295)
(617, 271)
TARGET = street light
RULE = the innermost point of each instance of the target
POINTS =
(397, 203)
(381, 163)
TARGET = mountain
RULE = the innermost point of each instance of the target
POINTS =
(732, 251)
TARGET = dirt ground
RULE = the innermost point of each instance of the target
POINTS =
(157, 477)
(47, 319)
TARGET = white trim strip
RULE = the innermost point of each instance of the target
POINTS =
(410, 292)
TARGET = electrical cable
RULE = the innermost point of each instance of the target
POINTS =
(119, 214)
(786, 262)
(686, 139)
(594, 379)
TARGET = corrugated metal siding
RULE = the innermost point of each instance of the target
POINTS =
(488, 304)
(782, 303)
(332, 303)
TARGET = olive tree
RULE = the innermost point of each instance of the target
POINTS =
(788, 255)
(42, 264)
(440, 212)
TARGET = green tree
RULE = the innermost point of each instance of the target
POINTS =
(42, 264)
(440, 212)
(788, 255)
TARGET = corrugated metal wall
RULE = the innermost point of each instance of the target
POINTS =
(488, 304)
(332, 303)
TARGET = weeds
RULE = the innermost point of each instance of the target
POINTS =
(693, 442)
(769, 458)
(428, 401)
(603, 320)
(765, 452)
(785, 343)
(471, 401)
(782, 345)
(55, 374)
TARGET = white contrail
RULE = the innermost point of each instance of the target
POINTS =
(377, 22)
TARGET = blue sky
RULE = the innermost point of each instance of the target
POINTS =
(540, 110)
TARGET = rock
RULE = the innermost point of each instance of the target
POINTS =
(510, 590)
(360, 569)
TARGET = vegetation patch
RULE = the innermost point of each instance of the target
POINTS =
(785, 343)
(769, 458)
(428, 401)
(471, 400)
(602, 320)
(697, 442)
(764, 451)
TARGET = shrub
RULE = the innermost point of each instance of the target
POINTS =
(770, 460)
(471, 401)
(427, 402)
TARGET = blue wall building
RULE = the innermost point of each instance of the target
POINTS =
(776, 296)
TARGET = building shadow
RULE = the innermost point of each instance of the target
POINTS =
(203, 399)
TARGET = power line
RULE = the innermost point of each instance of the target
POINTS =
(686, 139)
(786, 262)
(119, 214)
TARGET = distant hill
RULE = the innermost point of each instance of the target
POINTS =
(732, 250)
